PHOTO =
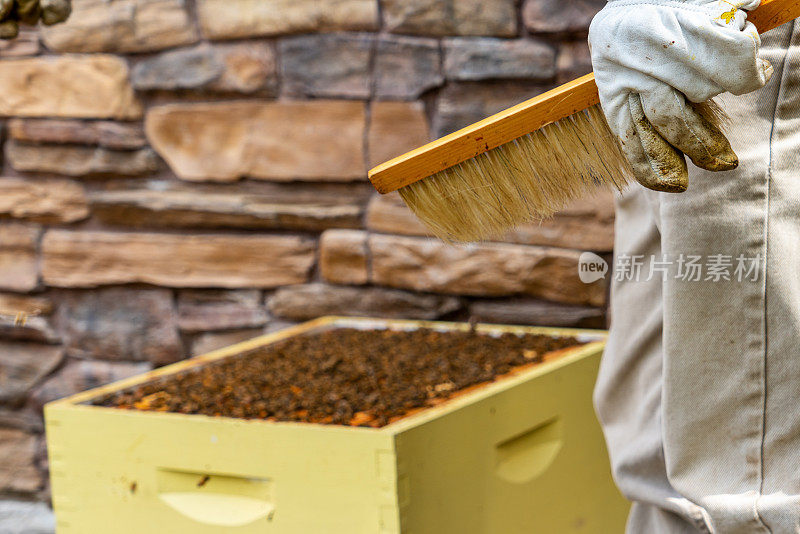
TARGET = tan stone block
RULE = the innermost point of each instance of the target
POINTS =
(558, 16)
(282, 141)
(343, 257)
(483, 58)
(89, 259)
(459, 105)
(77, 86)
(202, 310)
(18, 263)
(26, 418)
(486, 269)
(327, 65)
(248, 68)
(11, 303)
(241, 67)
(231, 19)
(25, 44)
(108, 134)
(43, 200)
(587, 224)
(72, 160)
(23, 366)
(37, 324)
(451, 17)
(122, 26)
(303, 302)
(80, 375)
(120, 323)
(198, 209)
(211, 341)
(574, 60)
(406, 67)
(536, 313)
(18, 472)
(389, 214)
(395, 128)
(251, 192)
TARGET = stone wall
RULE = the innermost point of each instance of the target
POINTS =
(184, 174)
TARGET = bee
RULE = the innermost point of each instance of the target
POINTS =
(20, 319)
(728, 16)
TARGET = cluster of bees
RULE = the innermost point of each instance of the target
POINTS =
(30, 12)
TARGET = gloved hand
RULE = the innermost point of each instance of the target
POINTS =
(652, 59)
(14, 12)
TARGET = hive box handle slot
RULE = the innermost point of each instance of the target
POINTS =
(528, 455)
(215, 499)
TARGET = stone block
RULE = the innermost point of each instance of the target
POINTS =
(326, 65)
(47, 201)
(282, 141)
(234, 19)
(483, 58)
(406, 67)
(560, 16)
(451, 17)
(115, 135)
(485, 269)
(73, 86)
(19, 269)
(95, 258)
(394, 129)
(120, 324)
(237, 68)
(122, 26)
(202, 310)
(303, 302)
(343, 257)
(74, 160)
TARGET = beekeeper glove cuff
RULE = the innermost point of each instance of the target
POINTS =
(650, 57)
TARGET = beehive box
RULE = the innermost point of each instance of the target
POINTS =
(523, 454)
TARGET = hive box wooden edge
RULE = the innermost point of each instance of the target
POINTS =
(523, 454)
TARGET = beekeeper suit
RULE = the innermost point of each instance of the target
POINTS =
(699, 387)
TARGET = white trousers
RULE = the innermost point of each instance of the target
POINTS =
(699, 389)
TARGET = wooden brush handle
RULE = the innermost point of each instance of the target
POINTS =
(525, 118)
(773, 13)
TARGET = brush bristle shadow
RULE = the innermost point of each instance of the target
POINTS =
(528, 179)
(525, 180)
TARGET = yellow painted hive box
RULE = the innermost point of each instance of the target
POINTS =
(521, 454)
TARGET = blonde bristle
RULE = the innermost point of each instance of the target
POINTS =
(525, 180)
(713, 113)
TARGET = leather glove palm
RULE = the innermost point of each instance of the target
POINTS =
(652, 59)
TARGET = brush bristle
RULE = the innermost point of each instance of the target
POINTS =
(713, 113)
(525, 180)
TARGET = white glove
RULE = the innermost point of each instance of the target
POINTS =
(650, 56)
